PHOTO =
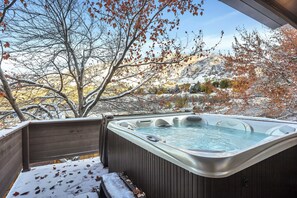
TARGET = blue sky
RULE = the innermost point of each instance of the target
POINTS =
(217, 17)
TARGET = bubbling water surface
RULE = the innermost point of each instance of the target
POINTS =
(205, 137)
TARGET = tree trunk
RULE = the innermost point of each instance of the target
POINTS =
(9, 96)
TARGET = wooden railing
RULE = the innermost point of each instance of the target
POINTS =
(39, 141)
(10, 156)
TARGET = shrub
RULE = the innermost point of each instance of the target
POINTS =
(164, 90)
(139, 91)
(161, 90)
(216, 83)
(195, 88)
(207, 87)
(168, 105)
(225, 83)
(240, 84)
(181, 102)
(152, 90)
(185, 87)
(197, 109)
(175, 89)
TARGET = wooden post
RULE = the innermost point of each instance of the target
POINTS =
(25, 149)
(103, 139)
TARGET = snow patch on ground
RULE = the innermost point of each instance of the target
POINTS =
(70, 179)
(116, 187)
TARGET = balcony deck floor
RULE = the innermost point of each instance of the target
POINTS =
(69, 179)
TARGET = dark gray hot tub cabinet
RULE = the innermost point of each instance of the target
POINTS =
(275, 177)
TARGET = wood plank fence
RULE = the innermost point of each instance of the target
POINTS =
(39, 141)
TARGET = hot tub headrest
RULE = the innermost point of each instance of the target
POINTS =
(144, 123)
(287, 129)
(234, 124)
(281, 130)
(162, 123)
(193, 118)
(192, 121)
(127, 125)
(175, 121)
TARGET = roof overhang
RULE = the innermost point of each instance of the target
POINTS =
(272, 13)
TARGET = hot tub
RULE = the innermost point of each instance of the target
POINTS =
(206, 155)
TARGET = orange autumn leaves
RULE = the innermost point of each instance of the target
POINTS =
(6, 55)
(142, 21)
(268, 67)
(2, 94)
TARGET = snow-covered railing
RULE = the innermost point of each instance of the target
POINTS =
(11, 155)
(39, 141)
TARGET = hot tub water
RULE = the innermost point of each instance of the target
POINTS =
(205, 137)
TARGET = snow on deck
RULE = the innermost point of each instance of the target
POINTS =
(70, 179)
(116, 187)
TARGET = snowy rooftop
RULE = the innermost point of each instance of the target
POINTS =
(70, 179)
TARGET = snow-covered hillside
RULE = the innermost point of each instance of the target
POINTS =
(211, 68)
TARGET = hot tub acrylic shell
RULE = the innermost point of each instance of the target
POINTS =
(271, 161)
